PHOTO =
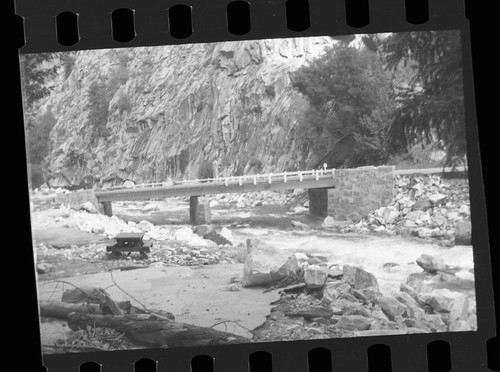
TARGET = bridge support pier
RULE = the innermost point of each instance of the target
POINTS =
(199, 213)
(194, 206)
(318, 202)
(108, 211)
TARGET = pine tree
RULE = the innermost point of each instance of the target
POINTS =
(431, 108)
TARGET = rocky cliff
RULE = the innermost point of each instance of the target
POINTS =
(179, 112)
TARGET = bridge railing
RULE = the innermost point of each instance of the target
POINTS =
(257, 178)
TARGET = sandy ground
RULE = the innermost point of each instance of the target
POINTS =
(196, 295)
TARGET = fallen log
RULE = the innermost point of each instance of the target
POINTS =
(156, 332)
(56, 309)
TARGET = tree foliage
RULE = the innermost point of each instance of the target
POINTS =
(351, 106)
(37, 69)
(431, 107)
(98, 103)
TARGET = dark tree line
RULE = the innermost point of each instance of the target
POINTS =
(394, 92)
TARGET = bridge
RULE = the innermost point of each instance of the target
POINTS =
(316, 181)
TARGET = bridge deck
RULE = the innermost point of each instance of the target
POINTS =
(282, 181)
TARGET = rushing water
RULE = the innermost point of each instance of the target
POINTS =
(272, 225)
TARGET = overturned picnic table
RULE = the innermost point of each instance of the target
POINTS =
(129, 242)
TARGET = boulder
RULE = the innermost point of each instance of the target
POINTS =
(314, 277)
(354, 322)
(352, 308)
(300, 209)
(203, 230)
(371, 293)
(464, 209)
(422, 205)
(463, 233)
(128, 184)
(216, 238)
(459, 312)
(390, 215)
(406, 299)
(405, 288)
(43, 268)
(424, 232)
(300, 225)
(391, 307)
(438, 220)
(260, 260)
(89, 207)
(226, 233)
(359, 278)
(437, 303)
(472, 320)
(437, 199)
(334, 273)
(414, 215)
(145, 226)
(330, 292)
(328, 223)
(311, 312)
(430, 264)
(289, 269)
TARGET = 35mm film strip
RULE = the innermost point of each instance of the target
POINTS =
(252, 185)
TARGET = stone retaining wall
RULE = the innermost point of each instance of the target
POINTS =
(360, 191)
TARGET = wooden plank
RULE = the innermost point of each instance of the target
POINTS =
(309, 182)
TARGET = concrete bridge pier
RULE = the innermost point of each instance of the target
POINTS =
(318, 202)
(108, 211)
(199, 213)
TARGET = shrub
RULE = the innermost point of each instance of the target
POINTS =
(97, 104)
(205, 170)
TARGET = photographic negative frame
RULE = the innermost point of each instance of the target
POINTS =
(269, 21)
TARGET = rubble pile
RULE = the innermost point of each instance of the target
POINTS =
(425, 207)
(344, 303)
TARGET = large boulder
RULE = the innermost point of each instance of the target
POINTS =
(288, 270)
(390, 215)
(437, 199)
(359, 278)
(328, 223)
(314, 277)
(145, 226)
(262, 264)
(354, 322)
(391, 307)
(89, 207)
(459, 314)
(431, 264)
(422, 205)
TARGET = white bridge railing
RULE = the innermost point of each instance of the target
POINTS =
(231, 180)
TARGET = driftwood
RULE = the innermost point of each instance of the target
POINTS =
(155, 332)
(56, 309)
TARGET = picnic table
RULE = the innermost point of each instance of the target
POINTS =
(129, 242)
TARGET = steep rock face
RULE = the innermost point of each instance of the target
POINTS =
(169, 110)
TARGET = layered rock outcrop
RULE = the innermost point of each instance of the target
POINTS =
(153, 114)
